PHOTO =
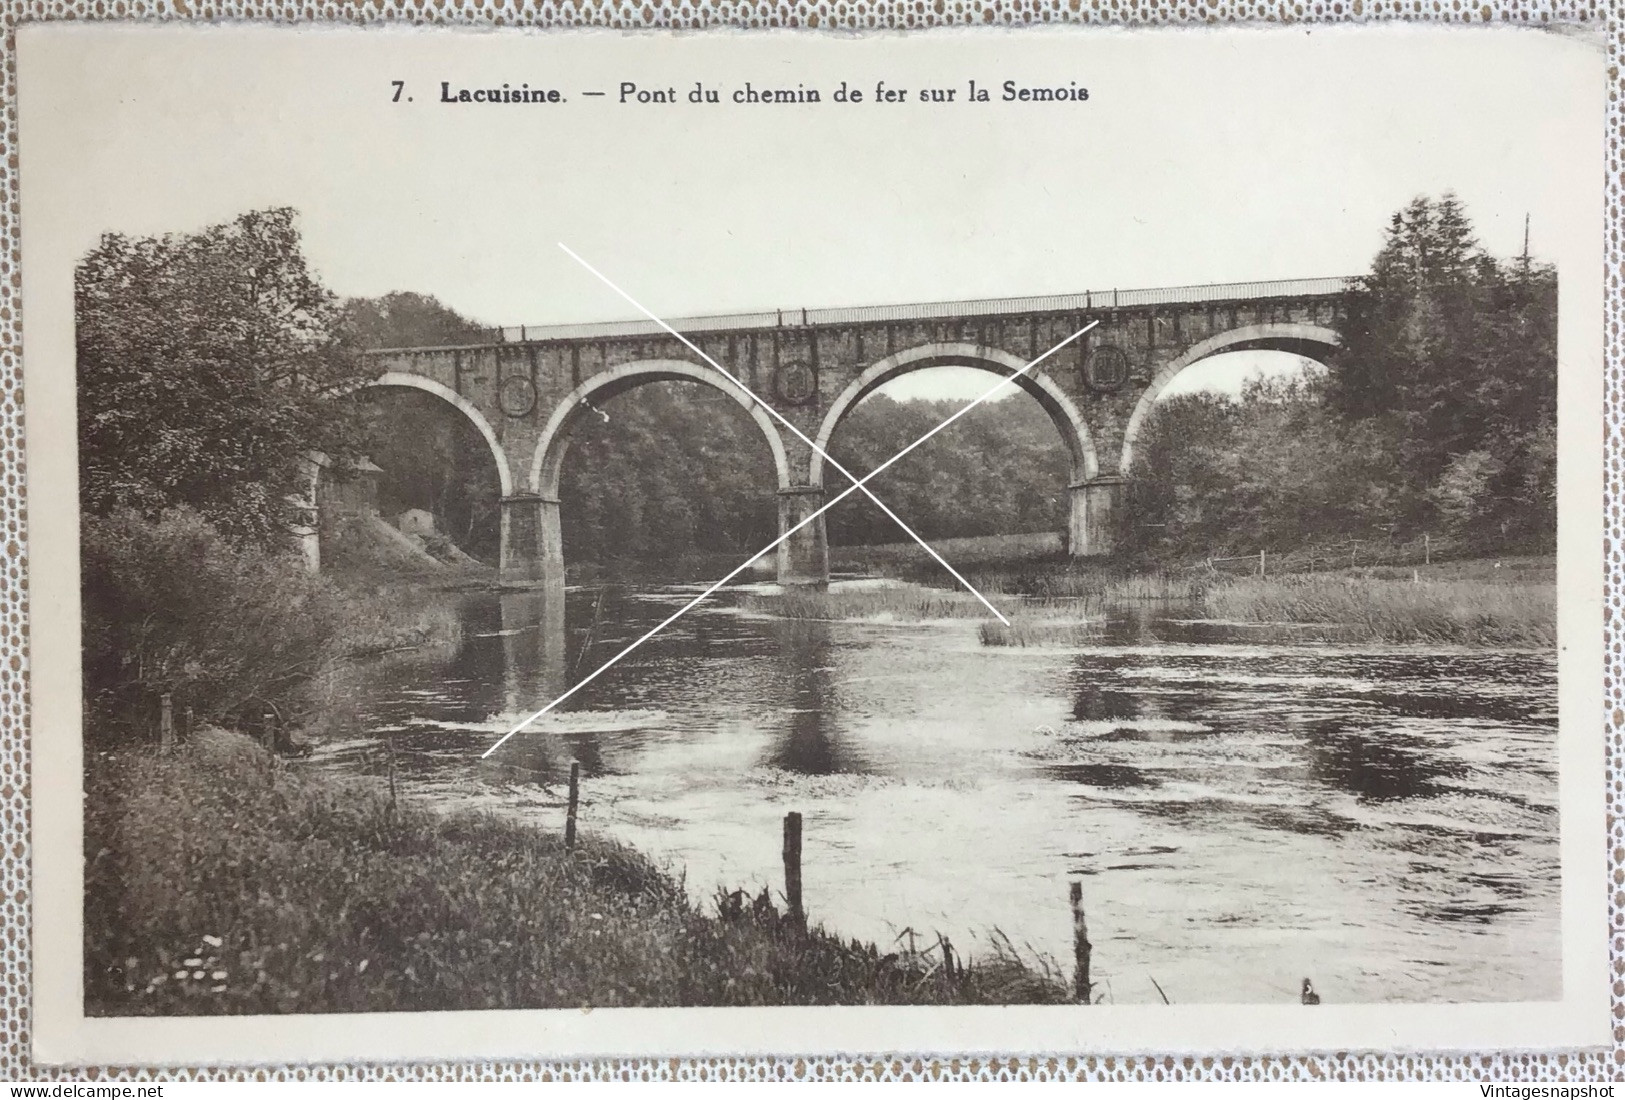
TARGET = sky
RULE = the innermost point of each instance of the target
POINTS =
(1199, 157)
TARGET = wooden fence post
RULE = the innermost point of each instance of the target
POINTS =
(792, 867)
(166, 723)
(1080, 947)
(1427, 550)
(1261, 563)
(389, 748)
(575, 796)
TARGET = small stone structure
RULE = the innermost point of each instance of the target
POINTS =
(415, 521)
(332, 496)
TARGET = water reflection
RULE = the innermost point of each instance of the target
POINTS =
(811, 743)
(1374, 768)
(1384, 819)
(1093, 703)
(1103, 775)
(533, 647)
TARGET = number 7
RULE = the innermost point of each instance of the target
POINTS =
(400, 85)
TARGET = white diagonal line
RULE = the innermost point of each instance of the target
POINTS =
(827, 457)
(854, 487)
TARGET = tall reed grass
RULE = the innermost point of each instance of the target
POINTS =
(1468, 612)
(1024, 632)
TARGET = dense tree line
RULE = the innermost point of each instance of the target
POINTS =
(1438, 416)
(1000, 468)
(676, 468)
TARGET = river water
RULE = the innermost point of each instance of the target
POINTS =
(1381, 819)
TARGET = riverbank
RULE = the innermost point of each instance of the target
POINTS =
(1488, 602)
(223, 880)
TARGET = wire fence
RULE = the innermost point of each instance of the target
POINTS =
(1379, 550)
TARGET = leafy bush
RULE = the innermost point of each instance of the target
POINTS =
(171, 606)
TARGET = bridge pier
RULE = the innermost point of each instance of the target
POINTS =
(1089, 529)
(532, 543)
(804, 556)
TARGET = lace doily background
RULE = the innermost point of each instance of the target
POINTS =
(15, 975)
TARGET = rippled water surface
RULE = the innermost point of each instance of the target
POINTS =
(1382, 819)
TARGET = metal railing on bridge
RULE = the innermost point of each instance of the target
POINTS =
(1087, 301)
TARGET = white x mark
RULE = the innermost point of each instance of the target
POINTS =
(799, 434)
(848, 491)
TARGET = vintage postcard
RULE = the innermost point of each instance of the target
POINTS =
(549, 544)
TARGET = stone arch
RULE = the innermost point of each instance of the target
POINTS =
(403, 380)
(548, 458)
(1068, 420)
(1311, 341)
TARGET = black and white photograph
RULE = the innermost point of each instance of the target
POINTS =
(1097, 526)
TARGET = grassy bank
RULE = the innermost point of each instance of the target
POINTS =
(221, 880)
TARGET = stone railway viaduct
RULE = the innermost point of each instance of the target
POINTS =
(526, 389)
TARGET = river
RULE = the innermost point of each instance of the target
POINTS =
(1380, 819)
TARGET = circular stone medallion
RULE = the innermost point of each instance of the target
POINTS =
(516, 396)
(1108, 368)
(795, 383)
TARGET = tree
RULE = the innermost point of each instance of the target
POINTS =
(1454, 353)
(402, 319)
(206, 367)
(1462, 495)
